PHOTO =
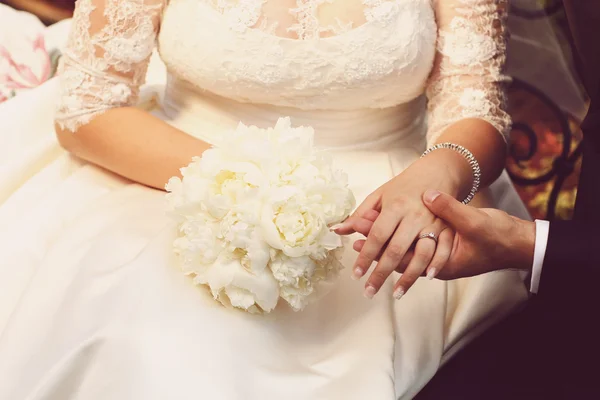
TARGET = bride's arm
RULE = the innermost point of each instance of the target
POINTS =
(466, 96)
(466, 107)
(134, 144)
(105, 63)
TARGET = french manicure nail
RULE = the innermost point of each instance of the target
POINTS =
(431, 273)
(431, 195)
(337, 226)
(398, 293)
(370, 292)
(357, 273)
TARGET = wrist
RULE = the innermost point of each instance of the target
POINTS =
(456, 175)
(524, 245)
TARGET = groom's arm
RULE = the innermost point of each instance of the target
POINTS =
(572, 254)
(573, 247)
(568, 251)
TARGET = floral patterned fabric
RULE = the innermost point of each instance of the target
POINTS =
(26, 61)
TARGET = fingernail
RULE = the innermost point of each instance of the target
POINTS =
(370, 292)
(337, 226)
(431, 273)
(398, 293)
(431, 195)
(357, 273)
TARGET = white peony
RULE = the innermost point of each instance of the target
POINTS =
(254, 214)
(300, 277)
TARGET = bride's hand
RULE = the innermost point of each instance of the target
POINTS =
(439, 256)
(403, 218)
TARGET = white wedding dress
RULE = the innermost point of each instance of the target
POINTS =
(92, 303)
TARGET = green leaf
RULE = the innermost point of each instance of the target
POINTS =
(54, 55)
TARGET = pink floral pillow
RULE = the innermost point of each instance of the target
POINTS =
(25, 61)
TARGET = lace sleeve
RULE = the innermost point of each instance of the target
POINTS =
(106, 57)
(468, 77)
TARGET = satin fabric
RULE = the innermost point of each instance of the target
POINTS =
(94, 307)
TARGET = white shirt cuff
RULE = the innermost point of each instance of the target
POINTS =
(542, 229)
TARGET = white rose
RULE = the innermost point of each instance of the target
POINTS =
(302, 278)
(294, 275)
(254, 252)
(229, 183)
(229, 281)
(292, 224)
(197, 246)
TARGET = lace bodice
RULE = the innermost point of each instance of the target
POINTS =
(307, 54)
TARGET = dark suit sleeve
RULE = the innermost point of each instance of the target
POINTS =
(572, 255)
(573, 251)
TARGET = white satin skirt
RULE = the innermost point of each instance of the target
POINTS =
(93, 307)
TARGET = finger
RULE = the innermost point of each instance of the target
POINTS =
(459, 216)
(391, 257)
(358, 224)
(371, 203)
(424, 251)
(381, 231)
(358, 245)
(442, 253)
(405, 261)
(371, 215)
(353, 225)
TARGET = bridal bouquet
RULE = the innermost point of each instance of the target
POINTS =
(254, 216)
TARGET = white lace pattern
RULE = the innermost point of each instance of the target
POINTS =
(106, 58)
(468, 76)
(308, 25)
(306, 54)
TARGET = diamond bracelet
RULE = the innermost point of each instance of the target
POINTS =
(470, 159)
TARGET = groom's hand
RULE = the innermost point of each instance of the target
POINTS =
(485, 239)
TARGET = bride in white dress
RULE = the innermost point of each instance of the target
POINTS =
(93, 305)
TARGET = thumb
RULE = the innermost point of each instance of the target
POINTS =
(452, 211)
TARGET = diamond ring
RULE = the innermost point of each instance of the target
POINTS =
(429, 235)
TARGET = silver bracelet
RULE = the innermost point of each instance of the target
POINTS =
(470, 159)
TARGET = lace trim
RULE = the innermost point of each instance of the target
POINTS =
(309, 25)
(240, 14)
(106, 57)
(244, 14)
(469, 79)
(377, 9)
